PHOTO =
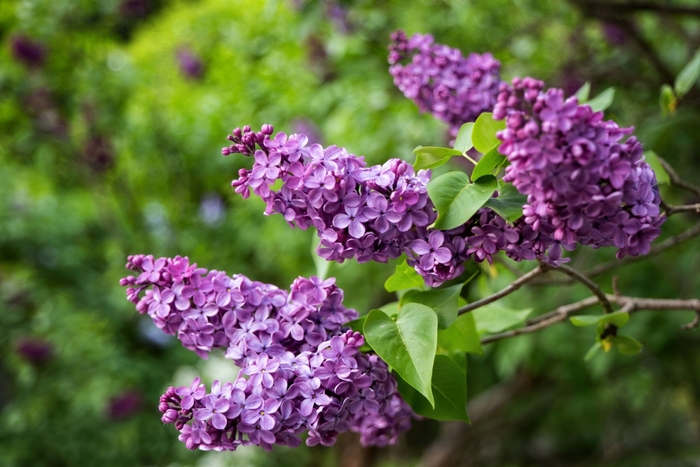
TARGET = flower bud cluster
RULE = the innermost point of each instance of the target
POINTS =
(584, 184)
(301, 370)
(441, 81)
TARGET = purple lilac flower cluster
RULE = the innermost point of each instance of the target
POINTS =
(301, 369)
(584, 184)
(441, 81)
(372, 213)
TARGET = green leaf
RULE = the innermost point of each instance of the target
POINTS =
(322, 266)
(667, 100)
(428, 157)
(407, 345)
(489, 162)
(509, 204)
(449, 384)
(391, 308)
(584, 92)
(442, 301)
(592, 352)
(484, 132)
(652, 159)
(627, 345)
(456, 199)
(496, 318)
(404, 277)
(688, 75)
(619, 319)
(603, 100)
(460, 337)
(463, 142)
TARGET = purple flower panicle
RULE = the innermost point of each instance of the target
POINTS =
(302, 371)
(441, 81)
(584, 183)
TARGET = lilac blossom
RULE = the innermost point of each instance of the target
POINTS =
(302, 370)
(441, 81)
(584, 183)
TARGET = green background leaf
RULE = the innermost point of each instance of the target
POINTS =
(462, 337)
(627, 345)
(662, 177)
(496, 318)
(688, 76)
(619, 319)
(583, 92)
(603, 100)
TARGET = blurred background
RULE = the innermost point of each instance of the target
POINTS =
(112, 117)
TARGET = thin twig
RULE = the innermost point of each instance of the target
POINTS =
(616, 8)
(592, 286)
(628, 304)
(694, 323)
(512, 287)
(675, 179)
(616, 286)
(671, 209)
(655, 250)
(614, 264)
(509, 266)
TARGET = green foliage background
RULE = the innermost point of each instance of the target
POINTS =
(108, 149)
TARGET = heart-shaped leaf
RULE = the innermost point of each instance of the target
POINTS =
(509, 204)
(484, 132)
(404, 277)
(456, 199)
(463, 142)
(488, 163)
(407, 344)
(449, 385)
(429, 157)
(602, 101)
(462, 337)
(443, 301)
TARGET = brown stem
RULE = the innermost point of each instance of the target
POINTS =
(675, 179)
(617, 8)
(512, 287)
(592, 286)
(629, 304)
(609, 265)
(670, 209)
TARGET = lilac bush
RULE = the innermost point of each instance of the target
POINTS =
(301, 369)
(441, 81)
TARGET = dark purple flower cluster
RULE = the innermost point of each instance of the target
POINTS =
(371, 213)
(366, 213)
(301, 370)
(584, 184)
(441, 81)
